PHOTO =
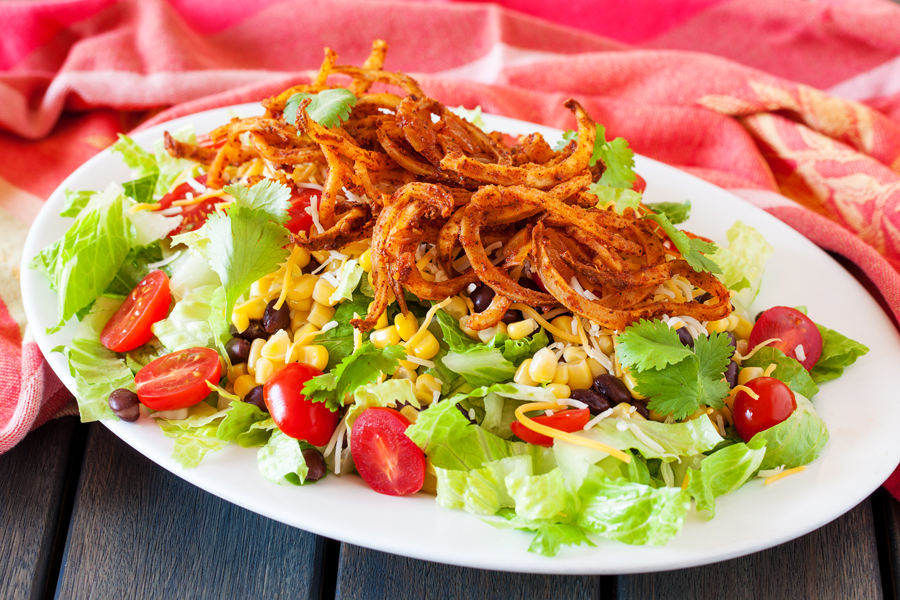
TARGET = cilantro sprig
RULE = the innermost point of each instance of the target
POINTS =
(328, 108)
(692, 249)
(360, 368)
(676, 380)
(615, 154)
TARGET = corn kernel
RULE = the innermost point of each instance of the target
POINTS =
(522, 377)
(236, 371)
(321, 255)
(717, 326)
(622, 411)
(630, 383)
(574, 354)
(408, 365)
(563, 322)
(323, 291)
(304, 335)
(426, 386)
(580, 376)
(255, 352)
(260, 286)
(365, 261)
(425, 346)
(243, 385)
(464, 325)
(410, 413)
(655, 416)
(301, 258)
(456, 308)
(303, 306)
(521, 329)
(749, 373)
(405, 372)
(255, 310)
(314, 356)
(264, 369)
(561, 375)
(559, 390)
(382, 320)
(486, 335)
(732, 322)
(320, 314)
(303, 287)
(743, 328)
(596, 367)
(543, 366)
(384, 336)
(606, 344)
(407, 326)
(240, 320)
(299, 318)
(276, 346)
(741, 347)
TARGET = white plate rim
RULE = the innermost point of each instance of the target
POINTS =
(495, 549)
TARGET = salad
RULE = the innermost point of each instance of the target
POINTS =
(359, 283)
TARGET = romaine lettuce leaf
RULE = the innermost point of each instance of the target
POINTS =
(725, 471)
(197, 320)
(549, 538)
(751, 251)
(796, 441)
(192, 443)
(497, 403)
(391, 392)
(350, 274)
(361, 368)
(787, 370)
(838, 351)
(281, 460)
(481, 491)
(238, 425)
(97, 372)
(75, 202)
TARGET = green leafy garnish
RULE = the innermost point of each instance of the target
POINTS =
(618, 158)
(268, 196)
(360, 368)
(650, 345)
(692, 249)
(621, 198)
(339, 340)
(796, 441)
(473, 116)
(281, 460)
(838, 351)
(75, 201)
(725, 471)
(328, 108)
(676, 212)
(787, 370)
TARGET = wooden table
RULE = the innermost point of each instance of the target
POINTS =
(82, 515)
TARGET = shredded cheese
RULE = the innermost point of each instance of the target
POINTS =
(738, 356)
(139, 207)
(545, 324)
(426, 322)
(420, 361)
(784, 474)
(687, 480)
(562, 435)
(199, 199)
(288, 271)
(746, 390)
(313, 211)
(598, 418)
(769, 370)
(800, 352)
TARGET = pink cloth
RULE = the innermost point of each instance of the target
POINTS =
(794, 105)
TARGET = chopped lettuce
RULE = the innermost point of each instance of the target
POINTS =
(480, 366)
(170, 167)
(787, 370)
(481, 491)
(549, 538)
(838, 351)
(743, 263)
(97, 372)
(499, 411)
(796, 441)
(241, 425)
(195, 435)
(350, 274)
(725, 471)
(198, 320)
(391, 392)
(473, 116)
(620, 198)
(75, 202)
(281, 460)
(133, 269)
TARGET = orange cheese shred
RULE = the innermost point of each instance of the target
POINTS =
(562, 435)
(784, 474)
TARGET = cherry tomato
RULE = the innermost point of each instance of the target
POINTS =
(298, 219)
(193, 215)
(540, 284)
(775, 404)
(178, 380)
(296, 416)
(148, 302)
(639, 184)
(567, 420)
(794, 329)
(387, 460)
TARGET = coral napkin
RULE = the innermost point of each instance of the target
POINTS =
(793, 105)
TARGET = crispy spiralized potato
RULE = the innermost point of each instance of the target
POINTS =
(426, 186)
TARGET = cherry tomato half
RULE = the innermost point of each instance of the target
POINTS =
(639, 184)
(567, 420)
(298, 219)
(296, 416)
(193, 215)
(794, 329)
(775, 404)
(130, 325)
(386, 459)
(178, 380)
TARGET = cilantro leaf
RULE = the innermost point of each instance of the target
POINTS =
(618, 158)
(268, 196)
(360, 368)
(621, 198)
(838, 351)
(328, 108)
(676, 212)
(680, 389)
(339, 340)
(244, 246)
(567, 137)
(650, 345)
(692, 249)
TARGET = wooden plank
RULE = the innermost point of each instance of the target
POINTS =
(369, 575)
(887, 522)
(139, 531)
(838, 561)
(31, 496)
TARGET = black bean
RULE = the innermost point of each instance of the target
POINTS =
(315, 464)
(125, 405)
(703, 297)
(512, 316)
(597, 403)
(732, 341)
(613, 388)
(256, 398)
(481, 297)
(238, 350)
(731, 374)
(254, 331)
(276, 319)
(529, 284)
(312, 265)
(685, 337)
(641, 407)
